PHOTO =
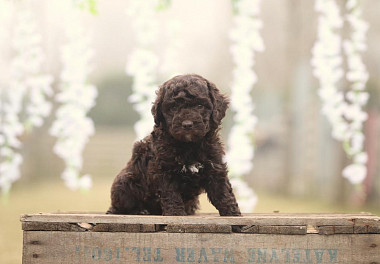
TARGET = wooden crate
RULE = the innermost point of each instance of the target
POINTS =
(264, 238)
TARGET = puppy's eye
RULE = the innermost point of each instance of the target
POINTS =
(200, 106)
(174, 108)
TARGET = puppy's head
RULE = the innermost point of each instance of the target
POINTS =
(188, 107)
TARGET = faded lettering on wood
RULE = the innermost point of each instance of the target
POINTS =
(107, 247)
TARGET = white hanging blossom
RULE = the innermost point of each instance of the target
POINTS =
(246, 40)
(72, 127)
(343, 110)
(38, 86)
(143, 62)
(10, 125)
(26, 79)
(327, 62)
(357, 75)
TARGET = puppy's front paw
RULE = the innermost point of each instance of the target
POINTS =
(111, 210)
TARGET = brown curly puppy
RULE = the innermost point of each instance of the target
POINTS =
(181, 158)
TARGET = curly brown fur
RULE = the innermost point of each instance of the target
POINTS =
(181, 158)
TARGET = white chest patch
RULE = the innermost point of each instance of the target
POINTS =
(193, 168)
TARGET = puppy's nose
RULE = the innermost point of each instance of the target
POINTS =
(187, 124)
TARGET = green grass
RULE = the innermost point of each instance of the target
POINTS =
(54, 196)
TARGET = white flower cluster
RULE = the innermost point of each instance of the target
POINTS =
(27, 44)
(72, 127)
(357, 75)
(343, 110)
(143, 62)
(246, 40)
(26, 79)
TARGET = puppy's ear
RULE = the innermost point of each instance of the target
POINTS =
(157, 107)
(220, 104)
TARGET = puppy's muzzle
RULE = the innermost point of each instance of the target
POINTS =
(187, 124)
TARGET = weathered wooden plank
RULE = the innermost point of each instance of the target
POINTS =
(116, 228)
(181, 228)
(288, 230)
(373, 229)
(360, 229)
(367, 229)
(373, 226)
(344, 229)
(326, 230)
(40, 226)
(331, 230)
(148, 228)
(250, 229)
(82, 227)
(338, 215)
(248, 220)
(116, 247)
(375, 221)
(172, 228)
